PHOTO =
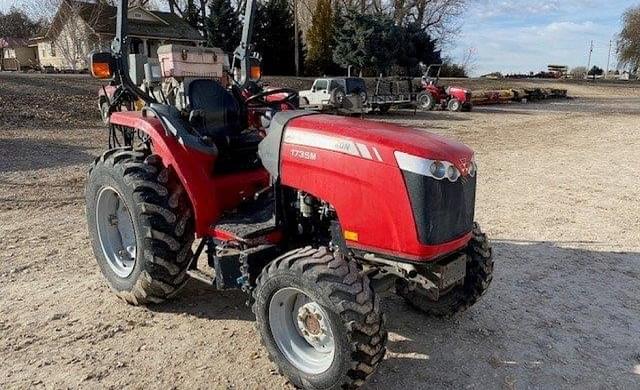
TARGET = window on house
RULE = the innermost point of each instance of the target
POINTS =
(52, 49)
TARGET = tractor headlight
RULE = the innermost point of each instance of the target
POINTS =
(452, 173)
(436, 169)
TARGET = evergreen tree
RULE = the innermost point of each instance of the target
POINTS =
(417, 46)
(223, 26)
(191, 15)
(384, 44)
(274, 37)
(370, 43)
(351, 36)
(320, 40)
(374, 44)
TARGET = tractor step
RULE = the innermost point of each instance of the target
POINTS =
(201, 276)
(251, 220)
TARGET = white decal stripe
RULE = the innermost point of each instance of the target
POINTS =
(375, 151)
(322, 142)
(364, 151)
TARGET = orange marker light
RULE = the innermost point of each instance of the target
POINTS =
(256, 73)
(350, 236)
(101, 70)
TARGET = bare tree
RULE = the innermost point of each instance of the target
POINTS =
(438, 17)
(629, 40)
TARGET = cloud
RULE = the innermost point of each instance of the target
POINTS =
(522, 36)
(491, 9)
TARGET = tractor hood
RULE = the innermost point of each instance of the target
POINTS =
(374, 141)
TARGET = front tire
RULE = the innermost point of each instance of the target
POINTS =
(141, 226)
(477, 280)
(454, 105)
(319, 320)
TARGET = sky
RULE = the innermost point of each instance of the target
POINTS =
(519, 36)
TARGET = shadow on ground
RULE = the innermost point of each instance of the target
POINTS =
(524, 325)
(26, 154)
(204, 301)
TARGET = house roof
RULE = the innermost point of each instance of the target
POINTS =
(10, 42)
(102, 19)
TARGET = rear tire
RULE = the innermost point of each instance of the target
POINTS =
(425, 101)
(477, 281)
(161, 230)
(350, 311)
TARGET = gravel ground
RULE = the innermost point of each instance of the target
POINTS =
(558, 193)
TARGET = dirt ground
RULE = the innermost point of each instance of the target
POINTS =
(558, 193)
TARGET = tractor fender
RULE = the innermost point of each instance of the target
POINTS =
(191, 163)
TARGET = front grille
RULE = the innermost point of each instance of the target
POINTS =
(443, 210)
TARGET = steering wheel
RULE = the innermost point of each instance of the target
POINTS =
(260, 98)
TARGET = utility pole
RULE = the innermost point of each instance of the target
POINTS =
(296, 37)
(589, 63)
(606, 75)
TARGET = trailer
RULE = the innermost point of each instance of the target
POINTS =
(396, 92)
(351, 95)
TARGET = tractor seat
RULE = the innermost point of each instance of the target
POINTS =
(216, 113)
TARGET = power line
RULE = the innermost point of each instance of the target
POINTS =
(590, 53)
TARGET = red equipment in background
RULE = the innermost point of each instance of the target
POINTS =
(435, 95)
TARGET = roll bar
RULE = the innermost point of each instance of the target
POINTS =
(243, 52)
(120, 49)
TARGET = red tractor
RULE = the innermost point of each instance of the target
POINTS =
(313, 215)
(435, 95)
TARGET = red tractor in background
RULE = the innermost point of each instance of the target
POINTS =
(313, 215)
(434, 95)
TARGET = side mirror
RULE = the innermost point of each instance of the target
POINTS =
(102, 65)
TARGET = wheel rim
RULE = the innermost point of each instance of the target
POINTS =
(116, 232)
(301, 330)
(425, 102)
